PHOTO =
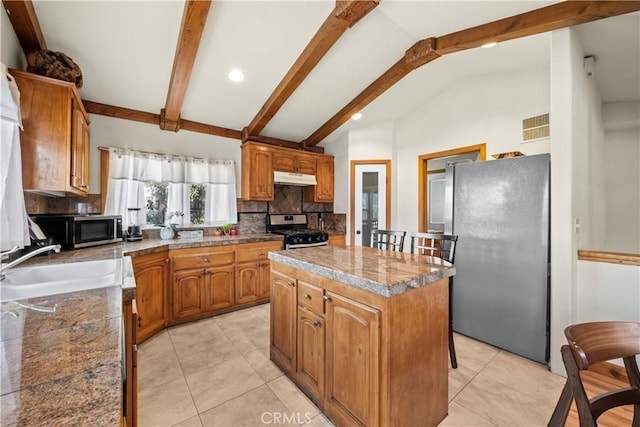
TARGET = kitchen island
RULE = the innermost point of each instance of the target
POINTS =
(363, 332)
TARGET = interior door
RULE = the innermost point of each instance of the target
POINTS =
(370, 201)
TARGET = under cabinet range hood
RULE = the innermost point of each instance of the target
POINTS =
(290, 178)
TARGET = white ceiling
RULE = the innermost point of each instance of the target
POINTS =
(126, 48)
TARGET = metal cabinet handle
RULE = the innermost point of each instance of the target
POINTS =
(326, 298)
(166, 260)
(290, 283)
(139, 322)
(316, 323)
(205, 259)
(307, 296)
(135, 348)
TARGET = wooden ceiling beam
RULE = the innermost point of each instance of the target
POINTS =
(344, 15)
(549, 18)
(194, 18)
(25, 23)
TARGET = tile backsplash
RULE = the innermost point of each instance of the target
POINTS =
(251, 214)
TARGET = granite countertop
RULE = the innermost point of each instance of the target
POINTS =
(65, 368)
(385, 273)
(147, 246)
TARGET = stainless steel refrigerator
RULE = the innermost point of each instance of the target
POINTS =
(500, 211)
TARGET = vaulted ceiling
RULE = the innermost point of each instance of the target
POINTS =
(309, 65)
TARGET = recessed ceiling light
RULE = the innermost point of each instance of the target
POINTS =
(356, 116)
(488, 45)
(236, 75)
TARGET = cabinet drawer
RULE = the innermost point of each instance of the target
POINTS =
(310, 296)
(250, 252)
(206, 259)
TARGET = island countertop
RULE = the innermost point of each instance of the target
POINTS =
(386, 273)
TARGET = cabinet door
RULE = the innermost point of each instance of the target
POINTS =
(264, 283)
(322, 192)
(352, 361)
(257, 173)
(310, 351)
(306, 164)
(80, 152)
(151, 294)
(284, 161)
(188, 293)
(283, 321)
(219, 288)
(130, 313)
(247, 282)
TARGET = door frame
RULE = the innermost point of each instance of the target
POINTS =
(352, 219)
(422, 176)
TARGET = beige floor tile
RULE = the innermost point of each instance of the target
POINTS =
(206, 353)
(295, 401)
(503, 405)
(261, 363)
(243, 321)
(458, 379)
(166, 405)
(258, 407)
(523, 374)
(319, 421)
(155, 371)
(194, 332)
(155, 346)
(216, 384)
(191, 422)
(460, 416)
(473, 354)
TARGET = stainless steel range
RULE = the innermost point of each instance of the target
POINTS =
(295, 231)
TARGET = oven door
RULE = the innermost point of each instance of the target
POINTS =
(304, 245)
(91, 231)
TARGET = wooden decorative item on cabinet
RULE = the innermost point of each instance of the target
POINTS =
(361, 357)
(130, 316)
(151, 273)
(203, 282)
(252, 272)
(322, 192)
(290, 161)
(55, 140)
(257, 172)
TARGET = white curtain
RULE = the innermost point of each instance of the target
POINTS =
(129, 170)
(14, 229)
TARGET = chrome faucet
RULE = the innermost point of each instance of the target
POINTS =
(23, 258)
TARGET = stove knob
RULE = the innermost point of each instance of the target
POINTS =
(310, 239)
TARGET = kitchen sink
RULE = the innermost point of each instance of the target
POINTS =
(43, 280)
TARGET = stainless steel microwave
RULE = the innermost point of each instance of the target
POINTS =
(72, 231)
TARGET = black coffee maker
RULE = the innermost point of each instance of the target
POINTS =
(133, 230)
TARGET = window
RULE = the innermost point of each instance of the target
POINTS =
(156, 193)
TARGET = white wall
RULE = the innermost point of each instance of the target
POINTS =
(622, 177)
(11, 52)
(111, 132)
(488, 108)
(340, 150)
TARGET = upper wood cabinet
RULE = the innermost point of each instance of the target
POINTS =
(257, 172)
(260, 160)
(55, 140)
(288, 161)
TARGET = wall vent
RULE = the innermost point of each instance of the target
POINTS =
(535, 128)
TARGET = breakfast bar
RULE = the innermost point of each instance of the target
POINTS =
(363, 332)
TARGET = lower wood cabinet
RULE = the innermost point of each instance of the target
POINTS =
(329, 339)
(151, 273)
(337, 240)
(130, 391)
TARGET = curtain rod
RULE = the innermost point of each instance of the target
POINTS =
(101, 148)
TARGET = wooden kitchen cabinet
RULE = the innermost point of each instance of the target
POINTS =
(252, 272)
(151, 273)
(283, 321)
(290, 161)
(55, 140)
(323, 191)
(257, 172)
(352, 361)
(337, 240)
(203, 282)
(130, 318)
(310, 367)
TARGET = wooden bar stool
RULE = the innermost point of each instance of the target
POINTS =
(443, 246)
(591, 343)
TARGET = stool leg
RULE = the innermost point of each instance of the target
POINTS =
(560, 413)
(452, 349)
